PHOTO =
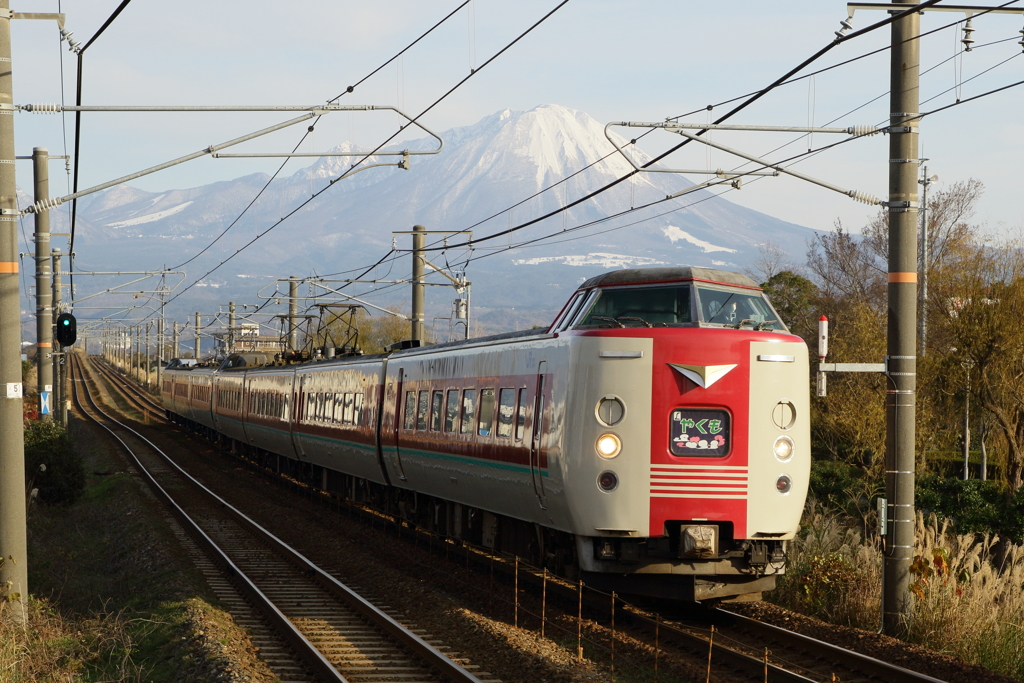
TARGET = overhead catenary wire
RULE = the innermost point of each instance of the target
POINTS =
(304, 203)
(78, 127)
(333, 100)
(797, 158)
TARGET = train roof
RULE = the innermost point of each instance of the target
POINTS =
(633, 276)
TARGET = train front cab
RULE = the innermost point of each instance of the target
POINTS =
(693, 457)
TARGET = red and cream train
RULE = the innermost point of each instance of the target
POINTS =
(654, 440)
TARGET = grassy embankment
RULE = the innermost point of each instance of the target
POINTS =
(968, 588)
(113, 599)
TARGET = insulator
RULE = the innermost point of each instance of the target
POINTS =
(45, 205)
(864, 197)
(968, 41)
(42, 108)
(1021, 41)
(847, 25)
(858, 131)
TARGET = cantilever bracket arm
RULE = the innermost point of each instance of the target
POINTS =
(853, 194)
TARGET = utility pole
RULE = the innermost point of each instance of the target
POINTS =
(13, 545)
(174, 343)
(900, 408)
(197, 337)
(44, 298)
(231, 327)
(58, 399)
(419, 242)
(925, 181)
(160, 351)
(148, 328)
(293, 313)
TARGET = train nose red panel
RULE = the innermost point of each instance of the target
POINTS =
(699, 437)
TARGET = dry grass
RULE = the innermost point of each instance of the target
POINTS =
(51, 647)
(969, 590)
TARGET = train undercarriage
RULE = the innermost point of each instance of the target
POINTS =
(647, 567)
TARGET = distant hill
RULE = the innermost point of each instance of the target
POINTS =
(484, 168)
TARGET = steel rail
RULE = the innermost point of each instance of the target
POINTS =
(306, 650)
(130, 391)
(436, 660)
(853, 660)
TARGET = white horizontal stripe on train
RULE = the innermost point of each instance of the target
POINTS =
(717, 496)
(706, 489)
(700, 476)
(723, 468)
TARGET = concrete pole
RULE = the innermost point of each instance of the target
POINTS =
(293, 314)
(148, 327)
(160, 351)
(231, 327)
(174, 342)
(419, 241)
(13, 574)
(967, 425)
(924, 261)
(137, 356)
(197, 337)
(44, 297)
(902, 330)
(57, 400)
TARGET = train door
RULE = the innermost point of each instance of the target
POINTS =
(301, 415)
(399, 417)
(535, 438)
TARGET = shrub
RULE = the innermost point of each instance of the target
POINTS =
(51, 464)
(975, 506)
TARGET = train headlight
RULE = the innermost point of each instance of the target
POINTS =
(783, 448)
(608, 445)
(783, 484)
(608, 481)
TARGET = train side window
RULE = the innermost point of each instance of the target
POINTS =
(506, 411)
(424, 408)
(357, 418)
(308, 413)
(573, 310)
(521, 416)
(436, 408)
(451, 412)
(347, 416)
(410, 410)
(468, 411)
(486, 412)
(286, 408)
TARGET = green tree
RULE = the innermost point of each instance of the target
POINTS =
(795, 298)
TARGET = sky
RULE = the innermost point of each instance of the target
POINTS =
(616, 61)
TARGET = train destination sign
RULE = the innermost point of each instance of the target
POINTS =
(699, 432)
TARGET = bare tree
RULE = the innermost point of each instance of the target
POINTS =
(847, 268)
(771, 260)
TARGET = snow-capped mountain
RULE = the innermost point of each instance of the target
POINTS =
(505, 160)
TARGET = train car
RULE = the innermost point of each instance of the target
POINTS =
(336, 424)
(653, 440)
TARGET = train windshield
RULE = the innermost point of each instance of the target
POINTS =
(639, 307)
(736, 308)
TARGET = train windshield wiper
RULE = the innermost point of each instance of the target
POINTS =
(639, 320)
(605, 318)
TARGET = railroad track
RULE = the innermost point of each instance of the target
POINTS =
(739, 643)
(307, 624)
(130, 390)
